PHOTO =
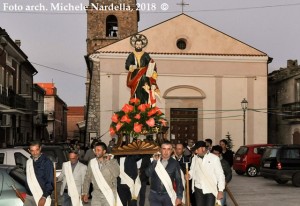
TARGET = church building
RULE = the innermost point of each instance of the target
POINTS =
(203, 75)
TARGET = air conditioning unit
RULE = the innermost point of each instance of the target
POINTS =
(6, 120)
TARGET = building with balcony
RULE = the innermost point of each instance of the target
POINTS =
(56, 111)
(284, 104)
(17, 106)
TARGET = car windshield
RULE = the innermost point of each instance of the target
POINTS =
(270, 152)
(242, 151)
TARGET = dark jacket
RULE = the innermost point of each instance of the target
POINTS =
(173, 169)
(227, 170)
(228, 156)
(182, 162)
(43, 169)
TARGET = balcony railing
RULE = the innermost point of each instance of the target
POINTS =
(291, 111)
(31, 105)
(16, 101)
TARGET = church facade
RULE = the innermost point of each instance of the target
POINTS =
(203, 75)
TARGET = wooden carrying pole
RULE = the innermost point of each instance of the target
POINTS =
(54, 176)
(187, 188)
(231, 195)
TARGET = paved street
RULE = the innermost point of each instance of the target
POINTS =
(263, 192)
(259, 191)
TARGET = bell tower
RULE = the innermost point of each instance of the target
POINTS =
(109, 21)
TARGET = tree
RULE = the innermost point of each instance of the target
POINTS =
(229, 141)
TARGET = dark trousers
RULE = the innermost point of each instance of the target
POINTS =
(143, 193)
(204, 199)
(66, 200)
(157, 199)
(124, 194)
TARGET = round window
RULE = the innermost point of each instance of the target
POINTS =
(181, 44)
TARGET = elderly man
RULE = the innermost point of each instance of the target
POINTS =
(102, 172)
(39, 177)
(73, 173)
(208, 180)
(163, 171)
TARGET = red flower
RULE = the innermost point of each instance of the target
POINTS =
(163, 122)
(112, 131)
(125, 118)
(115, 118)
(143, 107)
(159, 112)
(137, 127)
(119, 125)
(137, 116)
(127, 108)
(150, 122)
(153, 111)
(134, 101)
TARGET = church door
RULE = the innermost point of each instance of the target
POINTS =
(183, 124)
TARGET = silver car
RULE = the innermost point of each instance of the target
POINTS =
(11, 177)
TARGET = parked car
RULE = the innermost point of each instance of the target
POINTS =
(14, 156)
(11, 176)
(247, 159)
(282, 163)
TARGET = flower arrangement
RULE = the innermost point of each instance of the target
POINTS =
(136, 119)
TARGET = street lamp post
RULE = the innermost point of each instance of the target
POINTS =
(244, 104)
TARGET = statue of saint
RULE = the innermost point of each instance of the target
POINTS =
(142, 75)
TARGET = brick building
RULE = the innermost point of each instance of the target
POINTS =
(74, 117)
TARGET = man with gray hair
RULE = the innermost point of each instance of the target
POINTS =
(39, 177)
(72, 177)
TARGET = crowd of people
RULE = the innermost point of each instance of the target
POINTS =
(200, 169)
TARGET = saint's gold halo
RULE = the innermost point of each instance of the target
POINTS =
(140, 37)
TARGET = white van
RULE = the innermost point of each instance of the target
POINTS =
(14, 156)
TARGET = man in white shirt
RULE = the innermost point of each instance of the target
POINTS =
(208, 180)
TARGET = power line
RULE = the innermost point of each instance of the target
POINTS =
(59, 70)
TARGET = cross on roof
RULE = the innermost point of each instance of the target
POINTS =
(182, 4)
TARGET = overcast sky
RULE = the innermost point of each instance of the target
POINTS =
(57, 39)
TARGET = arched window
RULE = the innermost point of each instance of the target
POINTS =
(111, 26)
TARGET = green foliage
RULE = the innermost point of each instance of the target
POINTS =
(229, 141)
